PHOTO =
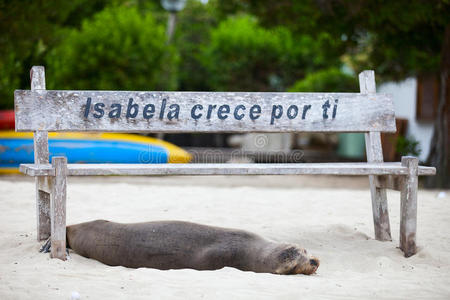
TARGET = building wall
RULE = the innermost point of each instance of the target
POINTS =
(404, 94)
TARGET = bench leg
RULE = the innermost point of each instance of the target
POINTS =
(408, 207)
(380, 211)
(58, 209)
(42, 209)
(374, 153)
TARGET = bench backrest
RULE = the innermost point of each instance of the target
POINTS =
(40, 110)
(133, 111)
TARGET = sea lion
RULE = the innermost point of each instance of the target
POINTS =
(177, 245)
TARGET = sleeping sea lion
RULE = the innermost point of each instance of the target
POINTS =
(177, 245)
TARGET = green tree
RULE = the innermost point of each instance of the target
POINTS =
(194, 24)
(28, 29)
(119, 48)
(244, 56)
(327, 80)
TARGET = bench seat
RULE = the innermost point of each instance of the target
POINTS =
(227, 169)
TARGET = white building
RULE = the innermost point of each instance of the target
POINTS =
(404, 94)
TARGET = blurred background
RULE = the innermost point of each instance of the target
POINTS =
(246, 45)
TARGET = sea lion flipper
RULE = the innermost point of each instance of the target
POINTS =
(46, 247)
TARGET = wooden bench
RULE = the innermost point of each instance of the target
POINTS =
(40, 110)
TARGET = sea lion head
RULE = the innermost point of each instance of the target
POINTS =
(295, 260)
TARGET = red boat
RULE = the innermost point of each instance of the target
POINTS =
(6, 119)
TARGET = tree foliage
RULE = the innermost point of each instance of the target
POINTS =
(244, 56)
(194, 24)
(28, 30)
(327, 80)
(118, 48)
(400, 38)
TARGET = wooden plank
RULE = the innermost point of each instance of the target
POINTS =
(58, 208)
(223, 169)
(426, 171)
(367, 84)
(127, 111)
(408, 207)
(391, 182)
(46, 186)
(37, 76)
(37, 170)
(374, 150)
(41, 155)
(42, 212)
(234, 169)
(374, 153)
(220, 169)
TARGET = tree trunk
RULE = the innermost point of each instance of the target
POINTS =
(439, 150)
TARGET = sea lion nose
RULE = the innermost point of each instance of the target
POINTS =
(314, 262)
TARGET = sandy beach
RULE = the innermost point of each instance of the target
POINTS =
(329, 216)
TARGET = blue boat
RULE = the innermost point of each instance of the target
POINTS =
(17, 148)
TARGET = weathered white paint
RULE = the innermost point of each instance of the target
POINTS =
(374, 153)
(58, 208)
(392, 182)
(226, 169)
(41, 156)
(408, 207)
(73, 111)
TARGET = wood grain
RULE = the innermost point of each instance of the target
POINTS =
(58, 208)
(391, 182)
(226, 169)
(408, 207)
(41, 155)
(374, 153)
(68, 111)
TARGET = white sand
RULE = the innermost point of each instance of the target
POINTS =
(334, 224)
